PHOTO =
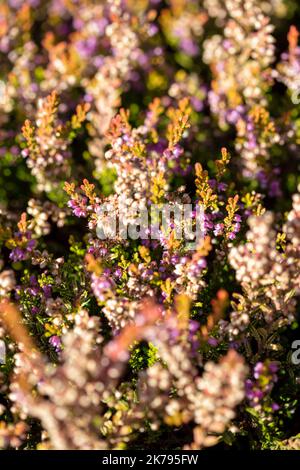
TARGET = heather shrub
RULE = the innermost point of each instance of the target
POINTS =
(149, 224)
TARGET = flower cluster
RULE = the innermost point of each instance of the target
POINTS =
(265, 272)
(70, 395)
(47, 142)
(264, 378)
(240, 60)
(149, 224)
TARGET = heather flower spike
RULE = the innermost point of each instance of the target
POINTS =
(149, 226)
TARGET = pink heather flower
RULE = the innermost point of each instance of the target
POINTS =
(231, 236)
(218, 230)
(21, 253)
(102, 286)
(78, 207)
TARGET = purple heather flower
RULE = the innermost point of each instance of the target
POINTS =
(193, 326)
(218, 230)
(222, 186)
(17, 254)
(34, 291)
(174, 259)
(25, 153)
(55, 343)
(212, 341)
(101, 25)
(236, 227)
(257, 389)
(258, 370)
(79, 209)
(153, 29)
(87, 47)
(197, 104)
(34, 310)
(202, 263)
(174, 333)
(274, 189)
(103, 252)
(101, 286)
(231, 236)
(212, 183)
(18, 3)
(33, 280)
(98, 61)
(233, 116)
(30, 245)
(47, 291)
(118, 272)
(208, 224)
(273, 367)
(189, 47)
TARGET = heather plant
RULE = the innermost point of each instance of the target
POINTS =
(149, 224)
